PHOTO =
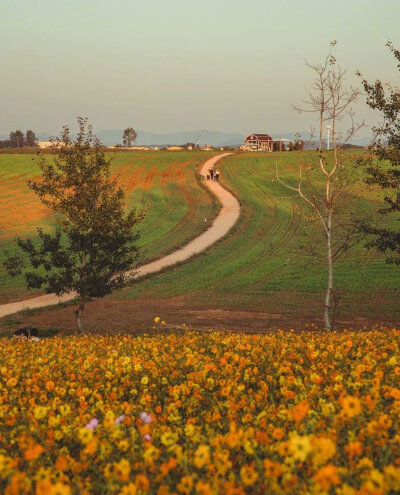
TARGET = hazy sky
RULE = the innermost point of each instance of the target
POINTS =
(173, 65)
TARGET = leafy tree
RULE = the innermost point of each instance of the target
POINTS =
(94, 243)
(17, 139)
(30, 138)
(129, 137)
(383, 161)
(325, 189)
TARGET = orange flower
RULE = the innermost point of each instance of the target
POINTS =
(354, 449)
(289, 394)
(248, 475)
(61, 463)
(384, 421)
(278, 434)
(122, 469)
(50, 385)
(272, 469)
(33, 452)
(327, 476)
(230, 488)
(185, 485)
(300, 411)
(395, 393)
(283, 449)
(43, 487)
(351, 406)
(203, 488)
(143, 483)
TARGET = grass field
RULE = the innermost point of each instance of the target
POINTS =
(164, 183)
(258, 275)
(260, 266)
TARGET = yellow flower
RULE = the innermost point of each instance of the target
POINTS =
(12, 382)
(323, 450)
(157, 319)
(40, 412)
(65, 409)
(392, 477)
(300, 447)
(123, 445)
(168, 438)
(202, 456)
(130, 489)
(144, 380)
(151, 454)
(85, 435)
(346, 489)
(60, 489)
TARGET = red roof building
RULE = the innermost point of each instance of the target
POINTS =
(259, 142)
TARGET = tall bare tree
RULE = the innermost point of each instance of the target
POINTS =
(322, 189)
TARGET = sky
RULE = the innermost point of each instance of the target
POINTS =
(175, 65)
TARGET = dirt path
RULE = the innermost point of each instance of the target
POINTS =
(225, 220)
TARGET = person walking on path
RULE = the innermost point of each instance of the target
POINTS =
(217, 172)
(211, 173)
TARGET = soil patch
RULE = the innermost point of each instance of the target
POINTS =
(137, 315)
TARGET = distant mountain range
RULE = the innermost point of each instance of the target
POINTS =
(203, 137)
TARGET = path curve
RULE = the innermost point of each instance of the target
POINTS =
(221, 225)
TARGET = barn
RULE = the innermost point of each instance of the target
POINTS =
(258, 142)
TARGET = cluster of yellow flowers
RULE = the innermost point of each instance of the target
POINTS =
(202, 413)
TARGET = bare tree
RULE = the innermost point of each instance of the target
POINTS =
(321, 190)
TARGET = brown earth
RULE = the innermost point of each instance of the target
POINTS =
(137, 316)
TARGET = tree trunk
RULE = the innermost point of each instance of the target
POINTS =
(329, 290)
(78, 316)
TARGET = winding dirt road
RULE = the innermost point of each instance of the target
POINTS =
(225, 220)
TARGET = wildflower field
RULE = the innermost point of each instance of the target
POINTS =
(201, 413)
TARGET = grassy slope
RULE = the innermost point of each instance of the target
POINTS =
(164, 183)
(259, 265)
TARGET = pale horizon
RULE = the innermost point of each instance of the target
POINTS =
(228, 66)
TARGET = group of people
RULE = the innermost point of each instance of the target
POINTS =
(27, 333)
(213, 174)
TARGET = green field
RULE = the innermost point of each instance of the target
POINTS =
(163, 183)
(261, 266)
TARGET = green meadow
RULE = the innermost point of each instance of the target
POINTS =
(273, 260)
(164, 184)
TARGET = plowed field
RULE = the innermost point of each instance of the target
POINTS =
(163, 183)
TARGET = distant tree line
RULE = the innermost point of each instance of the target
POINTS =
(18, 139)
